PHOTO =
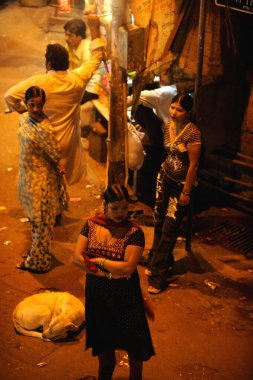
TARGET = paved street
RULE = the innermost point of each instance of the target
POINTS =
(204, 320)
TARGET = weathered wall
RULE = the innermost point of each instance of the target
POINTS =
(247, 125)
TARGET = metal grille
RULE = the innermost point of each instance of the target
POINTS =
(231, 235)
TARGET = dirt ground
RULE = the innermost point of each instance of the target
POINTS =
(202, 330)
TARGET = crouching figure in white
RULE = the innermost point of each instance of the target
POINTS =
(54, 313)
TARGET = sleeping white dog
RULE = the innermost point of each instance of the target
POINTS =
(55, 313)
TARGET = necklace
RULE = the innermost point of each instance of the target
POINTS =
(177, 128)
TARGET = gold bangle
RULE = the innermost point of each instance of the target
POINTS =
(101, 263)
(109, 275)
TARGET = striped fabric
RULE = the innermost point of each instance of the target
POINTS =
(176, 146)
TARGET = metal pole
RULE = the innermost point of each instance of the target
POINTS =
(200, 54)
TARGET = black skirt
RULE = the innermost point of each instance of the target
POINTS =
(115, 316)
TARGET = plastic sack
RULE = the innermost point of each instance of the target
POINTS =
(136, 153)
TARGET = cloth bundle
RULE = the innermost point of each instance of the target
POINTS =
(136, 153)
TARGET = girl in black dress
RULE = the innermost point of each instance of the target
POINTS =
(115, 314)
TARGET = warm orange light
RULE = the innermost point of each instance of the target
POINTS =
(64, 6)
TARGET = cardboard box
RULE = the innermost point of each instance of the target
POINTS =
(97, 142)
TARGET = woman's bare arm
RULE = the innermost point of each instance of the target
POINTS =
(194, 156)
(78, 259)
(122, 268)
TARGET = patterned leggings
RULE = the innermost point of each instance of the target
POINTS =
(168, 215)
(39, 257)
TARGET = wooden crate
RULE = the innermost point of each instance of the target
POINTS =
(97, 142)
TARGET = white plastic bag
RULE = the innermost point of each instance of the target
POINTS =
(136, 153)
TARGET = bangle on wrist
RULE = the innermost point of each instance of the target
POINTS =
(108, 275)
(185, 193)
(101, 263)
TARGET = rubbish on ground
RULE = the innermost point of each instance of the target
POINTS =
(2, 208)
(7, 242)
(89, 186)
(123, 363)
(75, 199)
(250, 270)
(3, 228)
(181, 238)
(9, 169)
(46, 290)
(42, 364)
(122, 360)
(210, 284)
(24, 220)
(97, 197)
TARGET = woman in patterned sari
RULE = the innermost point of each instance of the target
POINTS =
(174, 186)
(41, 186)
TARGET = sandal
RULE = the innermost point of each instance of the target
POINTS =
(22, 266)
(153, 290)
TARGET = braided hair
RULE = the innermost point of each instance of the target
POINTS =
(115, 193)
(35, 92)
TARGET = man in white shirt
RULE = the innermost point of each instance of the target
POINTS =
(152, 113)
(64, 91)
(78, 47)
(158, 99)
